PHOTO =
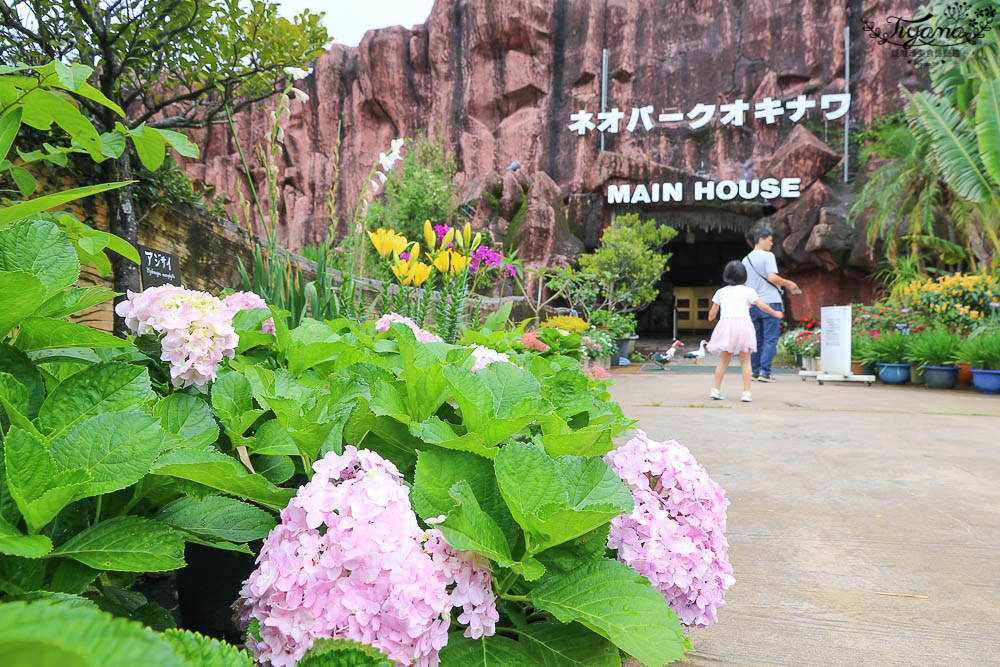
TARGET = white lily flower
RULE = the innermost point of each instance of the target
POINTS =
(296, 73)
(381, 177)
(300, 95)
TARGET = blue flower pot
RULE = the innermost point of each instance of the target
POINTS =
(941, 377)
(986, 382)
(894, 373)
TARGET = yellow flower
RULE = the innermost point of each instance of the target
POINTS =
(443, 261)
(419, 273)
(387, 242)
(430, 236)
(446, 241)
(401, 269)
(458, 262)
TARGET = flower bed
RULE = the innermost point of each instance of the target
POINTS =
(399, 464)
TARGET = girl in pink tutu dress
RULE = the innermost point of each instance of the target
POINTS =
(734, 334)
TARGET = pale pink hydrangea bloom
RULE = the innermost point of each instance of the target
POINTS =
(196, 329)
(675, 536)
(473, 584)
(382, 325)
(349, 560)
(484, 356)
(238, 301)
(597, 372)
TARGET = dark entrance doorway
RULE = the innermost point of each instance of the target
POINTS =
(695, 272)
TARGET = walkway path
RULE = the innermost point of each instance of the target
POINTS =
(840, 493)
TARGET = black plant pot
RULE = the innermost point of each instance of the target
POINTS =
(941, 377)
(208, 587)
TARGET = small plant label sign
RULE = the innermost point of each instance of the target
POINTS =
(159, 268)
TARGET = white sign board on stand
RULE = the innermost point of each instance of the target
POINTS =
(835, 340)
(835, 348)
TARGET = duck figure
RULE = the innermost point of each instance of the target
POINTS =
(664, 358)
(698, 354)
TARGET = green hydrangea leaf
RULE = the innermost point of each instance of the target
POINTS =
(12, 542)
(562, 498)
(344, 653)
(51, 633)
(41, 333)
(495, 651)
(115, 448)
(201, 651)
(187, 421)
(20, 294)
(105, 387)
(223, 473)
(39, 487)
(572, 645)
(126, 544)
(618, 603)
(218, 518)
(41, 248)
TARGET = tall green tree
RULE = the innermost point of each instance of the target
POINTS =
(169, 64)
(953, 170)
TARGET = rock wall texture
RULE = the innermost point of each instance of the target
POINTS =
(500, 78)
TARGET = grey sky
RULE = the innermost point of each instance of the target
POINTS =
(347, 20)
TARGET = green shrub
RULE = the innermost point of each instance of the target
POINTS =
(422, 189)
(628, 264)
(934, 348)
(889, 349)
(981, 352)
(620, 326)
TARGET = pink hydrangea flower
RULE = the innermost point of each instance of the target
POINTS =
(349, 560)
(473, 585)
(530, 340)
(597, 372)
(246, 300)
(196, 330)
(484, 356)
(675, 536)
(382, 325)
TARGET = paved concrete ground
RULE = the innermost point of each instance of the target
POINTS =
(841, 492)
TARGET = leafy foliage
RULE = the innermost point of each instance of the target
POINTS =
(981, 351)
(942, 179)
(421, 189)
(934, 348)
(69, 630)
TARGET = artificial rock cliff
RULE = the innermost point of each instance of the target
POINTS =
(499, 80)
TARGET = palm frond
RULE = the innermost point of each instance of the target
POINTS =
(988, 127)
(955, 151)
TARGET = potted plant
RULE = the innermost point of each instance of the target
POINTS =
(859, 351)
(934, 351)
(983, 354)
(890, 354)
(598, 346)
(622, 329)
(804, 344)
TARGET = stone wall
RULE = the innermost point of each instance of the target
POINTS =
(210, 250)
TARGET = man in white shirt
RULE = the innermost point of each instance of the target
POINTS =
(762, 276)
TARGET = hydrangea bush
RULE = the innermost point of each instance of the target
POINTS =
(196, 330)
(478, 488)
(349, 560)
(459, 503)
(676, 533)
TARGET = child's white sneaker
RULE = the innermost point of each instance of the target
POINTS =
(746, 398)
(715, 395)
